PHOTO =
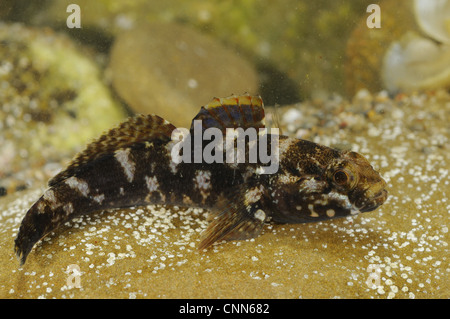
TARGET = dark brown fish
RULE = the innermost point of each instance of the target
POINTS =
(134, 165)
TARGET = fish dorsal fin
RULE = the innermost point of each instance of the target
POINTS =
(232, 112)
(134, 131)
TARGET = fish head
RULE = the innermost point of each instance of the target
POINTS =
(352, 176)
(327, 185)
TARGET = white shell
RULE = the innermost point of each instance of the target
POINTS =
(415, 63)
(433, 17)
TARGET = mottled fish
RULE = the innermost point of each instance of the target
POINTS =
(132, 165)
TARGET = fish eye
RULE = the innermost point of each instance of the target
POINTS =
(341, 177)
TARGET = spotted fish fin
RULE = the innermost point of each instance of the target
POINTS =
(236, 220)
(134, 131)
(232, 112)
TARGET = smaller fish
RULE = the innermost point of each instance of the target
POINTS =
(133, 165)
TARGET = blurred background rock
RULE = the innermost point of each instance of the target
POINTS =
(297, 47)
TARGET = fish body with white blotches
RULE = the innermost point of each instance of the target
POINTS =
(132, 165)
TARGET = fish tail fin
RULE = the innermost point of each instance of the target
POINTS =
(50, 211)
(30, 232)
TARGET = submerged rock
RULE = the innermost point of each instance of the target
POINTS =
(171, 70)
(304, 41)
(366, 47)
(52, 99)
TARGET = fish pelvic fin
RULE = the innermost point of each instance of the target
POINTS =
(237, 219)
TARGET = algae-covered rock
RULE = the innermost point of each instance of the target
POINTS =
(52, 99)
(366, 47)
(172, 70)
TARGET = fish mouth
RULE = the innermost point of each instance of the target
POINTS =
(376, 201)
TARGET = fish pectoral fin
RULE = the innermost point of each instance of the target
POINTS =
(236, 221)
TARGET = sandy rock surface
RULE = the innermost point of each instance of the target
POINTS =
(398, 251)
